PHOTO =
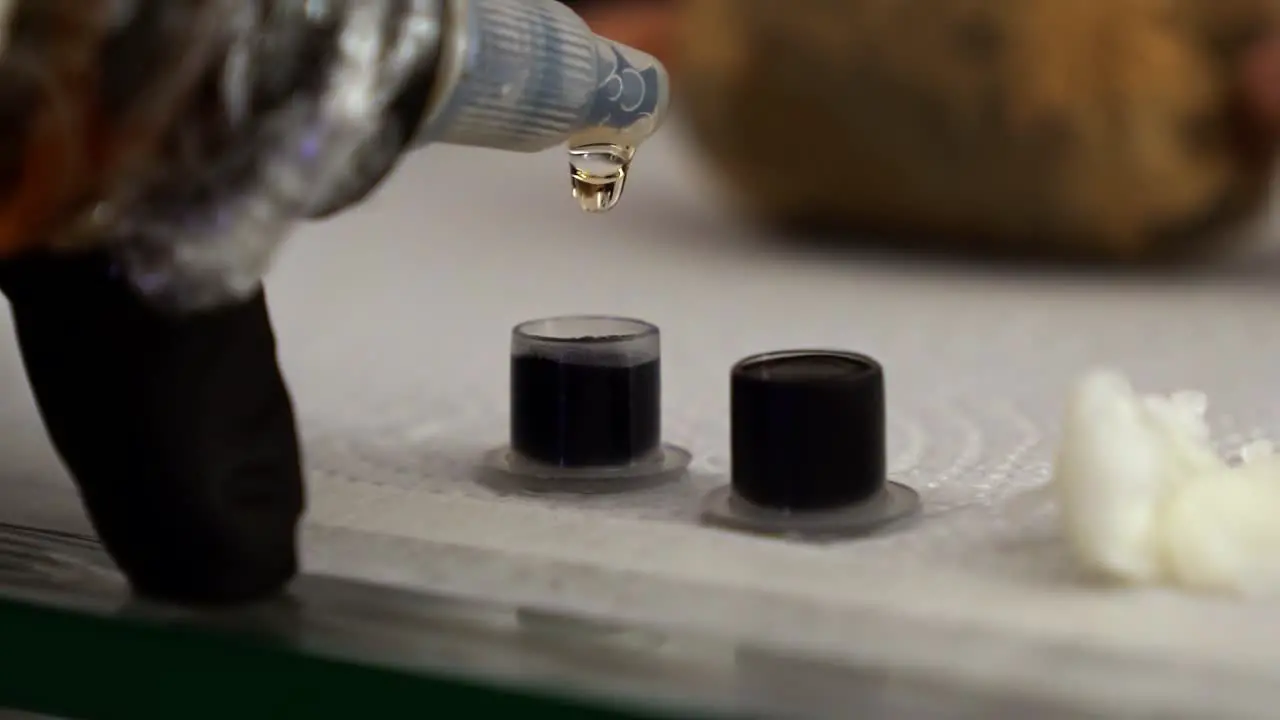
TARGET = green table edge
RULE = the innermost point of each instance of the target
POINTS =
(74, 664)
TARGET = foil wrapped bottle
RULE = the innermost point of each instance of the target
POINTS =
(191, 136)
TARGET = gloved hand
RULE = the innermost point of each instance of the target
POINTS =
(157, 151)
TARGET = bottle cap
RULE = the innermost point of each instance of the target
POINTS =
(528, 75)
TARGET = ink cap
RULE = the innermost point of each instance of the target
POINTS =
(585, 409)
(807, 444)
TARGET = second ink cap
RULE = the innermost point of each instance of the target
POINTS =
(808, 447)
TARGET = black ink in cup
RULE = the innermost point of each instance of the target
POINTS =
(586, 391)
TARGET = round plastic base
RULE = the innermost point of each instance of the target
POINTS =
(506, 471)
(896, 502)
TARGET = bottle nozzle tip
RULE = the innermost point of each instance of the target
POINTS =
(526, 75)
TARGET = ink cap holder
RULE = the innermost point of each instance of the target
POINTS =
(808, 457)
(586, 409)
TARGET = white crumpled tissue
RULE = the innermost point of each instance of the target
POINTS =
(1145, 499)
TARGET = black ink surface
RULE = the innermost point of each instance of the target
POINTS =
(574, 414)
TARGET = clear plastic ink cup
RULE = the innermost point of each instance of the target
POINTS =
(586, 408)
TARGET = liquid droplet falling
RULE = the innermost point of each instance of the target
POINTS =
(598, 174)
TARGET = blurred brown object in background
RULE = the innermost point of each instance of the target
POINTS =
(1121, 129)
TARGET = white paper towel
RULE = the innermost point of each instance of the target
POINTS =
(394, 324)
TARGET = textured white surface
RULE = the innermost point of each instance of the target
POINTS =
(394, 327)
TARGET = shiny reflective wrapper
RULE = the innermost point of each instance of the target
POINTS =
(187, 137)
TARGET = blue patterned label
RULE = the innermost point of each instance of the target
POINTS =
(627, 94)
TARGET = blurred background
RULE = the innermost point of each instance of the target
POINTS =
(1047, 129)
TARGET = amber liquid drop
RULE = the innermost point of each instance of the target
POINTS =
(598, 173)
